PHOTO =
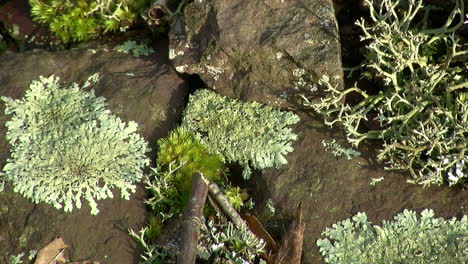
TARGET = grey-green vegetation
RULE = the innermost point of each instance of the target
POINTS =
(422, 109)
(180, 155)
(254, 135)
(65, 145)
(406, 239)
(231, 245)
(136, 49)
(163, 202)
(374, 181)
(339, 151)
(218, 243)
(16, 259)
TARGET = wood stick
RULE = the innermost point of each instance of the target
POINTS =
(192, 220)
(225, 205)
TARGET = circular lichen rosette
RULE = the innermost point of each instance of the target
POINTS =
(66, 145)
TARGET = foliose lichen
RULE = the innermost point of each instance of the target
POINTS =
(254, 135)
(65, 145)
(406, 239)
(135, 48)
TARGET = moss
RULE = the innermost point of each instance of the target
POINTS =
(181, 147)
(74, 21)
(154, 228)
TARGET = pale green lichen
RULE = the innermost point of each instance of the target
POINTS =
(16, 259)
(422, 108)
(220, 243)
(66, 145)
(254, 135)
(338, 150)
(374, 181)
(227, 244)
(136, 49)
(406, 239)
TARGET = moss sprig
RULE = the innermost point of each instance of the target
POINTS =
(75, 21)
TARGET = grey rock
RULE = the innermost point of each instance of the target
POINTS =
(266, 51)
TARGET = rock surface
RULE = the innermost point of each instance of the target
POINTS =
(16, 19)
(146, 90)
(252, 50)
(265, 51)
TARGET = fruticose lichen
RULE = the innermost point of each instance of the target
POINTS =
(422, 108)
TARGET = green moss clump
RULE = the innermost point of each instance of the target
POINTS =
(79, 20)
(406, 239)
(181, 149)
(3, 46)
(154, 228)
(236, 196)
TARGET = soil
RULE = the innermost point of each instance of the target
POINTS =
(335, 189)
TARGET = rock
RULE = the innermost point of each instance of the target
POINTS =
(146, 90)
(265, 51)
(15, 17)
(143, 89)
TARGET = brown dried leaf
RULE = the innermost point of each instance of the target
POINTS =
(257, 229)
(53, 253)
(291, 248)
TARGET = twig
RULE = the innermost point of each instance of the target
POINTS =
(225, 205)
(192, 220)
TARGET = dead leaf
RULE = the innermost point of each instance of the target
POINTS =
(290, 250)
(257, 229)
(53, 253)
